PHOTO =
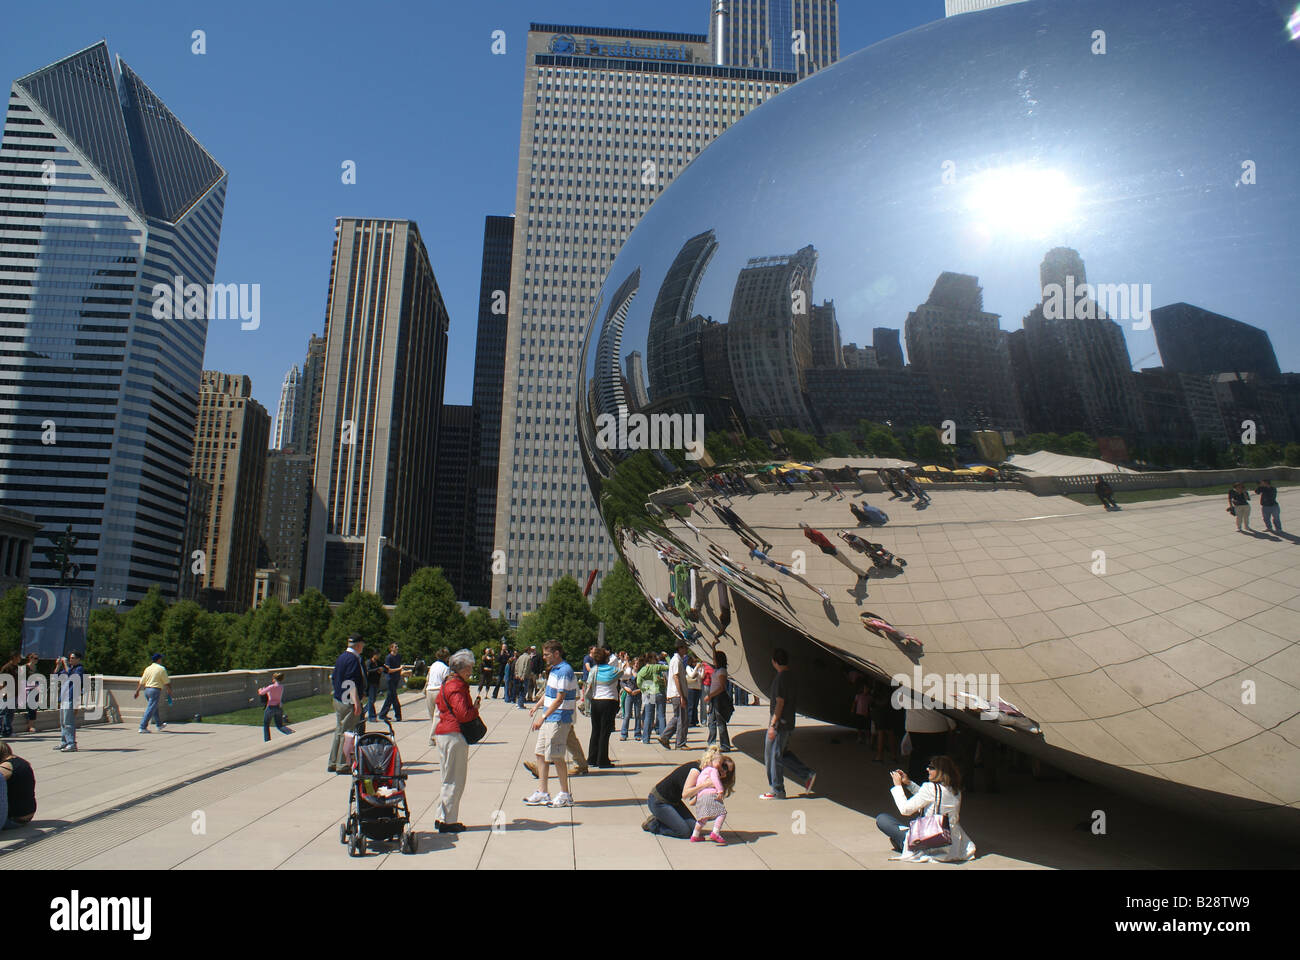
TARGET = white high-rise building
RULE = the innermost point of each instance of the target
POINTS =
(610, 118)
(287, 413)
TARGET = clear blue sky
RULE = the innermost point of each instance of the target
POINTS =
(409, 90)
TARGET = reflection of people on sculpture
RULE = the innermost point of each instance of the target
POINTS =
(820, 541)
(866, 513)
(738, 571)
(883, 628)
(760, 556)
(914, 487)
(887, 479)
(880, 557)
(730, 518)
(724, 607)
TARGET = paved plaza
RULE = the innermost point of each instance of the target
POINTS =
(209, 796)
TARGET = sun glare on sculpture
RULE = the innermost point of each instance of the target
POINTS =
(1021, 201)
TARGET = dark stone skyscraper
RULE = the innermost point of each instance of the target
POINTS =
(1078, 363)
(1193, 340)
(286, 512)
(307, 421)
(453, 543)
(489, 377)
(965, 355)
(105, 199)
(889, 353)
(827, 349)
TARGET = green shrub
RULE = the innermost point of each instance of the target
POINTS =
(416, 683)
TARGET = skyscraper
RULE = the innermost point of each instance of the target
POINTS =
(489, 378)
(286, 413)
(286, 513)
(634, 373)
(307, 421)
(385, 367)
(198, 505)
(888, 352)
(1194, 340)
(103, 194)
(770, 346)
(230, 456)
(827, 348)
(1078, 363)
(799, 36)
(453, 541)
(610, 117)
(965, 355)
(674, 346)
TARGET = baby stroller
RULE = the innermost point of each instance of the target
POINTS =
(880, 557)
(866, 513)
(377, 808)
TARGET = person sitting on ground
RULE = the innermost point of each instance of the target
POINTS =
(940, 796)
(18, 798)
(716, 780)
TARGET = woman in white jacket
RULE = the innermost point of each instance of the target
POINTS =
(943, 785)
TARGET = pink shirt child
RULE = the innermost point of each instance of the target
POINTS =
(274, 693)
(710, 777)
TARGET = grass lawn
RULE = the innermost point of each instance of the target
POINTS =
(307, 708)
(1170, 493)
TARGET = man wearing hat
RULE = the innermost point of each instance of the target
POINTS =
(153, 681)
(349, 679)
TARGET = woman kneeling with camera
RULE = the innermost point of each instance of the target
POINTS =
(937, 835)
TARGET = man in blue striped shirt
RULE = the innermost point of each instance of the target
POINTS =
(553, 726)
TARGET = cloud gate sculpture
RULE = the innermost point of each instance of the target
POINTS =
(948, 186)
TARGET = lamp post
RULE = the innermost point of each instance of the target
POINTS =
(60, 555)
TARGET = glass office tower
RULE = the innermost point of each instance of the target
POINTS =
(103, 194)
(798, 36)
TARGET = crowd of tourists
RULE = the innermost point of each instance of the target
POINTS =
(688, 803)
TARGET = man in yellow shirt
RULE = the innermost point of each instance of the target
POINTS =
(153, 682)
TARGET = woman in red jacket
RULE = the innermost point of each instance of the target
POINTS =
(454, 708)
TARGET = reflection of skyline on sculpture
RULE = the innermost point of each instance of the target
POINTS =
(1130, 200)
(780, 359)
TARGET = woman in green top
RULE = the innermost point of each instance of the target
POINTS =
(650, 679)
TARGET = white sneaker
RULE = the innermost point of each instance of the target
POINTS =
(143, 731)
(562, 800)
(538, 799)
